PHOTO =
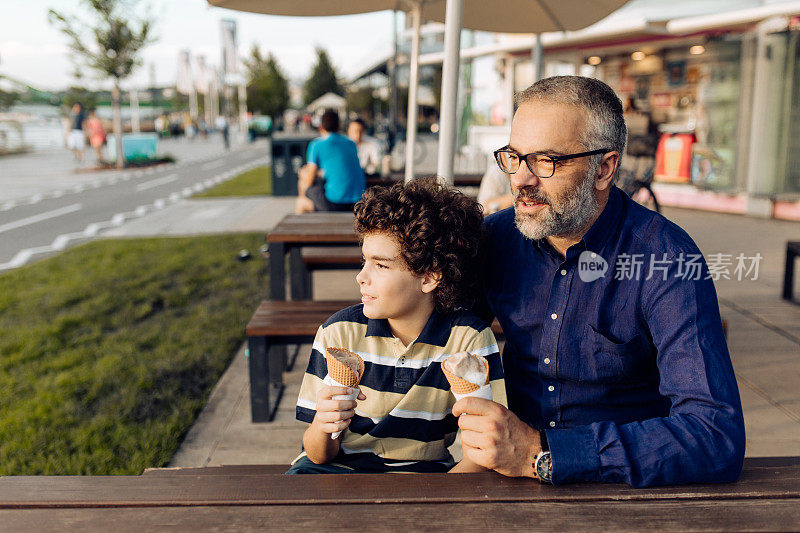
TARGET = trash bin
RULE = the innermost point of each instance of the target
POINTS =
(288, 155)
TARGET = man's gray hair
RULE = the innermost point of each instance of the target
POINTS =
(606, 125)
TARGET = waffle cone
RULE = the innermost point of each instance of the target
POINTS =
(460, 385)
(341, 372)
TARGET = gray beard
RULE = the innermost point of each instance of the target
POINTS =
(566, 219)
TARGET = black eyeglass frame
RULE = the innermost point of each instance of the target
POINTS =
(554, 158)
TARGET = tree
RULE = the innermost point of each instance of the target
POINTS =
(322, 79)
(109, 46)
(267, 87)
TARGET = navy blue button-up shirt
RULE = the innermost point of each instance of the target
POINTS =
(625, 367)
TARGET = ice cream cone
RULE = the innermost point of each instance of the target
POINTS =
(341, 372)
(461, 387)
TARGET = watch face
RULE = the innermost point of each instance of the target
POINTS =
(544, 467)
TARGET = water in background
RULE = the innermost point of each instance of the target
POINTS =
(40, 127)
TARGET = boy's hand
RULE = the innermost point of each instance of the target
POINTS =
(493, 437)
(334, 415)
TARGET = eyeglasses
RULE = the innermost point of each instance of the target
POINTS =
(540, 165)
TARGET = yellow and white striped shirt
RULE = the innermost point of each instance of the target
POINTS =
(405, 424)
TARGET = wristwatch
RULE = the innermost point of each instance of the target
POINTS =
(543, 467)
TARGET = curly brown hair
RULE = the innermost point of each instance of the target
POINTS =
(438, 229)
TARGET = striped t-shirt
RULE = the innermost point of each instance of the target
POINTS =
(406, 423)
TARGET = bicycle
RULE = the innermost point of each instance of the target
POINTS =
(639, 189)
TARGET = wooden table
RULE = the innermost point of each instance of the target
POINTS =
(253, 498)
(293, 233)
(459, 180)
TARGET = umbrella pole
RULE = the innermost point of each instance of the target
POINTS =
(537, 58)
(411, 120)
(449, 99)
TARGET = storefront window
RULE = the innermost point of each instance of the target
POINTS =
(716, 116)
(790, 172)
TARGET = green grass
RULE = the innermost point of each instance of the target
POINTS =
(254, 182)
(109, 350)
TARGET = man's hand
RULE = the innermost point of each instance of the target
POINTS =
(334, 415)
(493, 437)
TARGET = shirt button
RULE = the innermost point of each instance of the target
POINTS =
(554, 316)
(593, 255)
(547, 360)
(563, 272)
(551, 388)
(402, 360)
(552, 423)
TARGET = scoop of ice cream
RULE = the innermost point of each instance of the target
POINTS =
(347, 358)
(468, 367)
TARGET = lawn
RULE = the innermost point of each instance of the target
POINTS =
(254, 182)
(109, 350)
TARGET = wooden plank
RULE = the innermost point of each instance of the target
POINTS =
(301, 317)
(314, 256)
(306, 236)
(737, 515)
(763, 483)
(221, 470)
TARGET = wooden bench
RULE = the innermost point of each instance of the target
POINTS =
(792, 253)
(323, 258)
(278, 323)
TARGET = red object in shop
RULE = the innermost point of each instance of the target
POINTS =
(674, 157)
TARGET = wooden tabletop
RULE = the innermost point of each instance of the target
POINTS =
(315, 228)
(766, 498)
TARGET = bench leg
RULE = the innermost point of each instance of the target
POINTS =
(266, 363)
(277, 271)
(299, 275)
(259, 379)
(788, 274)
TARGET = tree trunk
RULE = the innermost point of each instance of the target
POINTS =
(117, 123)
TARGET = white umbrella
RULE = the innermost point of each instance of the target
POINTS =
(505, 16)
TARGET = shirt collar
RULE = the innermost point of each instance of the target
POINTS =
(435, 332)
(606, 223)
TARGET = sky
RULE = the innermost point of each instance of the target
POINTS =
(34, 51)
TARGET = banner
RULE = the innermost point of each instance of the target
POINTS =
(230, 56)
(202, 80)
(184, 82)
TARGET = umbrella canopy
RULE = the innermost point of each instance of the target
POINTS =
(503, 16)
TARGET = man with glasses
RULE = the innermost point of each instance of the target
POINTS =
(616, 365)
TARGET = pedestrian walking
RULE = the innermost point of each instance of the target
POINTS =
(76, 140)
(97, 134)
(222, 127)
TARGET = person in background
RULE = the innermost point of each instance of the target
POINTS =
(76, 140)
(495, 191)
(332, 178)
(222, 126)
(369, 152)
(96, 133)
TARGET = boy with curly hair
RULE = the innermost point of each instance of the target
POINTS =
(419, 245)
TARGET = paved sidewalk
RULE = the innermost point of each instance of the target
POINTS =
(763, 338)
